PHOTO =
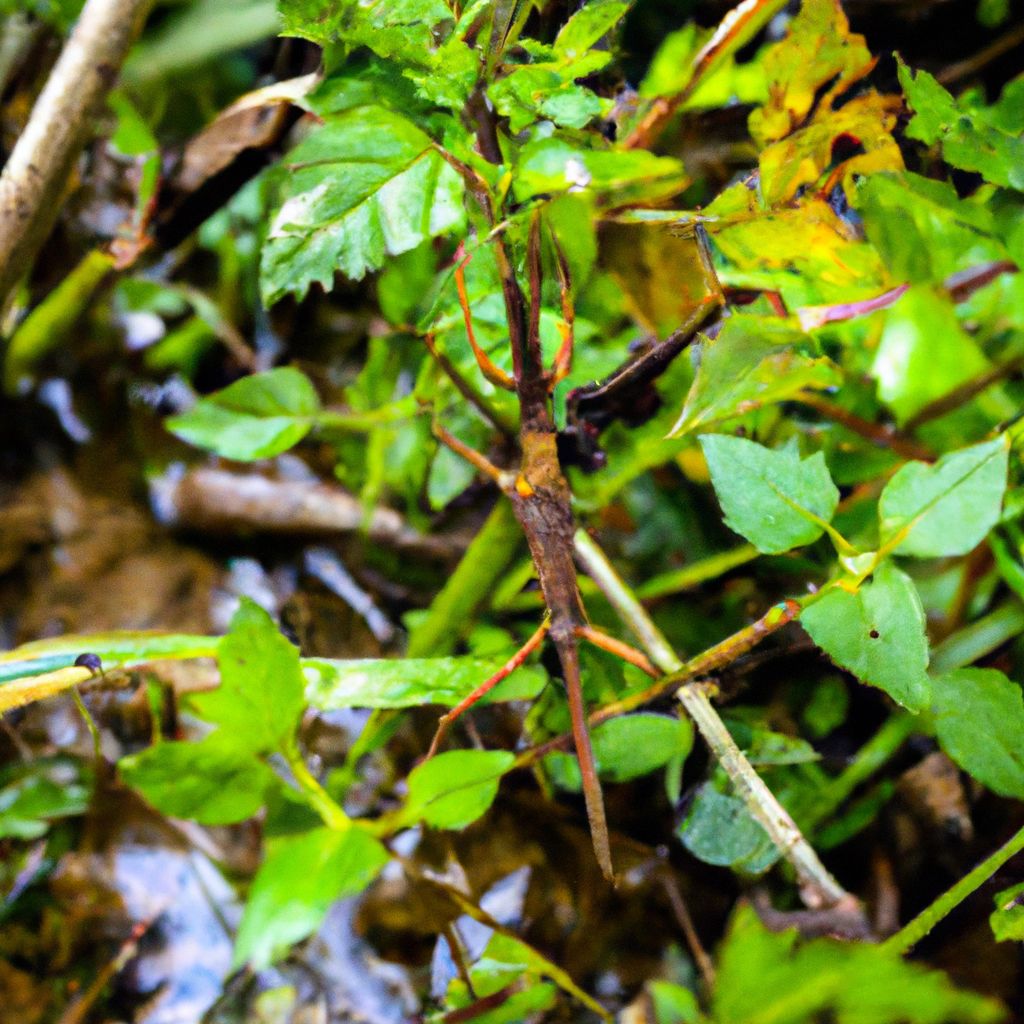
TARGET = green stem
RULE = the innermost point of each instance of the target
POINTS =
(920, 926)
(699, 572)
(316, 796)
(818, 886)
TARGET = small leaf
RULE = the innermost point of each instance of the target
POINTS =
(364, 185)
(719, 830)
(212, 781)
(948, 508)
(260, 699)
(634, 745)
(923, 353)
(775, 499)
(412, 682)
(35, 794)
(254, 418)
(877, 634)
(979, 719)
(453, 789)
(298, 881)
(1007, 920)
(973, 139)
(753, 362)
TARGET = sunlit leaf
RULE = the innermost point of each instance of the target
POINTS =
(365, 184)
(753, 362)
(260, 699)
(979, 718)
(213, 781)
(948, 508)
(1007, 920)
(972, 138)
(453, 789)
(411, 682)
(254, 418)
(301, 876)
(775, 499)
(877, 634)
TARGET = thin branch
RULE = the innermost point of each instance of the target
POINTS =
(39, 167)
(818, 887)
(961, 395)
(921, 925)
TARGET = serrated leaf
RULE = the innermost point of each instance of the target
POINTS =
(971, 138)
(979, 719)
(775, 499)
(877, 634)
(412, 682)
(453, 789)
(255, 418)
(923, 353)
(212, 781)
(260, 698)
(767, 976)
(364, 185)
(947, 508)
(298, 881)
(753, 362)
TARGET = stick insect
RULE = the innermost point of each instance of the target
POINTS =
(541, 501)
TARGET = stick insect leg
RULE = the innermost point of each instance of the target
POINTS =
(485, 687)
(471, 455)
(495, 374)
(568, 654)
(617, 647)
(563, 358)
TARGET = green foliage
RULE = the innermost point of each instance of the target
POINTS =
(979, 720)
(775, 499)
(35, 795)
(452, 790)
(877, 633)
(301, 876)
(763, 976)
(948, 508)
(254, 418)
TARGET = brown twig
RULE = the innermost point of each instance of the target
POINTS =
(877, 433)
(39, 167)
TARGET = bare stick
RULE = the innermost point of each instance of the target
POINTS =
(39, 167)
(817, 886)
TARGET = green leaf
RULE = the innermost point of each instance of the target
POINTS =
(453, 789)
(947, 508)
(775, 499)
(36, 793)
(364, 185)
(924, 353)
(719, 830)
(412, 682)
(588, 26)
(979, 719)
(772, 978)
(971, 138)
(877, 634)
(213, 781)
(298, 881)
(553, 165)
(753, 362)
(260, 699)
(634, 745)
(254, 418)
(922, 229)
(1007, 920)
